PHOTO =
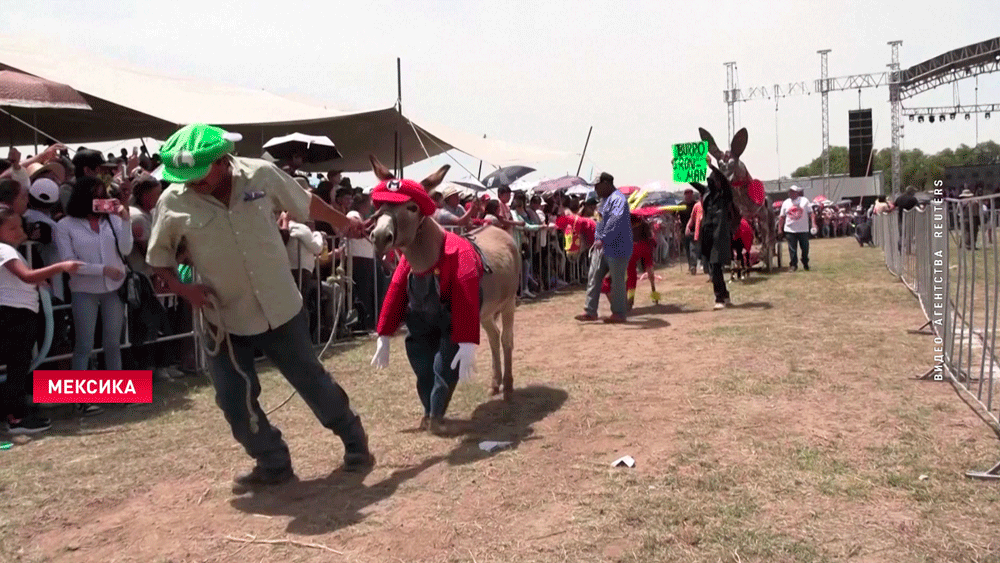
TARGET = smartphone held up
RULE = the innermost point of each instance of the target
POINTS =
(111, 206)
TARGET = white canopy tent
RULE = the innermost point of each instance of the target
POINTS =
(130, 102)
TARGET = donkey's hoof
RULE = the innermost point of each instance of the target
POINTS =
(508, 395)
(424, 424)
(494, 391)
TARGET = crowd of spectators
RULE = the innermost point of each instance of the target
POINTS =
(57, 200)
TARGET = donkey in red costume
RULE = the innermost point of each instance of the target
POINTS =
(445, 286)
(748, 194)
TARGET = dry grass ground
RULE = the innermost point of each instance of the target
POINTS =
(784, 429)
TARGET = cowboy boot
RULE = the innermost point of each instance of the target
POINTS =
(357, 456)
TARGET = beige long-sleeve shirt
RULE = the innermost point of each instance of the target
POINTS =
(237, 251)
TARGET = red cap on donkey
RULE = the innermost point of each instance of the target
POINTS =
(402, 191)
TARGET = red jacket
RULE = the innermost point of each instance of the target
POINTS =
(745, 234)
(458, 271)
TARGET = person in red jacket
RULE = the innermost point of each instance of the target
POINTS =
(742, 245)
(440, 307)
(643, 246)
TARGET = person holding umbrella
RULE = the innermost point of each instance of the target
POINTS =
(224, 206)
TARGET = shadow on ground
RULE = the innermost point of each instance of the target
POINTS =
(339, 500)
(753, 305)
(661, 309)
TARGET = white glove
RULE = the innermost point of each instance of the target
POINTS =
(813, 231)
(465, 359)
(381, 357)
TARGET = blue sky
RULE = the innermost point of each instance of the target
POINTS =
(643, 74)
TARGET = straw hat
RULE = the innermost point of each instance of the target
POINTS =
(966, 193)
(449, 191)
(54, 166)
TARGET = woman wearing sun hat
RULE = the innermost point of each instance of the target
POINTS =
(224, 206)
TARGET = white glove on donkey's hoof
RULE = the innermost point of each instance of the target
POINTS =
(465, 359)
(381, 357)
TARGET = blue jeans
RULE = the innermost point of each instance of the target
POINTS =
(803, 242)
(600, 266)
(429, 346)
(290, 350)
(85, 308)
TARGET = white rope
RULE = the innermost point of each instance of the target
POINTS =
(448, 154)
(215, 339)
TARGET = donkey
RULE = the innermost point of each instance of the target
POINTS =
(421, 239)
(759, 215)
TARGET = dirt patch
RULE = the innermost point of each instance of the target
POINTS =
(783, 429)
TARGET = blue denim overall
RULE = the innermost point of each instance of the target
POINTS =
(428, 343)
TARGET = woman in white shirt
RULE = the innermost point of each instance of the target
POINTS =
(370, 280)
(90, 238)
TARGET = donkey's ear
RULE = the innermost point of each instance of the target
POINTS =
(700, 187)
(713, 148)
(739, 143)
(381, 172)
(435, 179)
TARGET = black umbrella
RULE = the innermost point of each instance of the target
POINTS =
(563, 183)
(506, 176)
(471, 186)
(313, 149)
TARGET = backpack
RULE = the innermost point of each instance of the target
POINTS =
(572, 239)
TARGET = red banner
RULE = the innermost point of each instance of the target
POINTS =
(69, 386)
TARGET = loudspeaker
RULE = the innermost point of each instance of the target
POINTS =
(860, 142)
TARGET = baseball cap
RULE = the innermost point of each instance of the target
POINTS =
(44, 190)
(604, 177)
(189, 153)
(401, 191)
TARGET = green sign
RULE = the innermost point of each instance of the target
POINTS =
(689, 162)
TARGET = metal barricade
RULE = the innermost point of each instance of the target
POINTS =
(945, 255)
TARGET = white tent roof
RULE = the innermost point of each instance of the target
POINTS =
(130, 102)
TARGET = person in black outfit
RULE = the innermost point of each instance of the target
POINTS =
(717, 230)
(905, 202)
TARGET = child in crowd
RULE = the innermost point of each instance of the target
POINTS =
(19, 323)
(491, 213)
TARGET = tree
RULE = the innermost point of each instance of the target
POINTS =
(839, 158)
(917, 168)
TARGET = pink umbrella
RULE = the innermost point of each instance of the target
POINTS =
(25, 91)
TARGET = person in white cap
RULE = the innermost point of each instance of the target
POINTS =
(43, 195)
(797, 221)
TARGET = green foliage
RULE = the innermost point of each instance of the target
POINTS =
(918, 169)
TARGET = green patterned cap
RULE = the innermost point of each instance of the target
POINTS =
(189, 153)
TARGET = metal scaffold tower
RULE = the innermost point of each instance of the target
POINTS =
(896, 102)
(730, 95)
(824, 89)
(950, 67)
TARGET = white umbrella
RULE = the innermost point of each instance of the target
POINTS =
(579, 190)
(315, 149)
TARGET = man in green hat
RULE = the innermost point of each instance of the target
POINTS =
(223, 207)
